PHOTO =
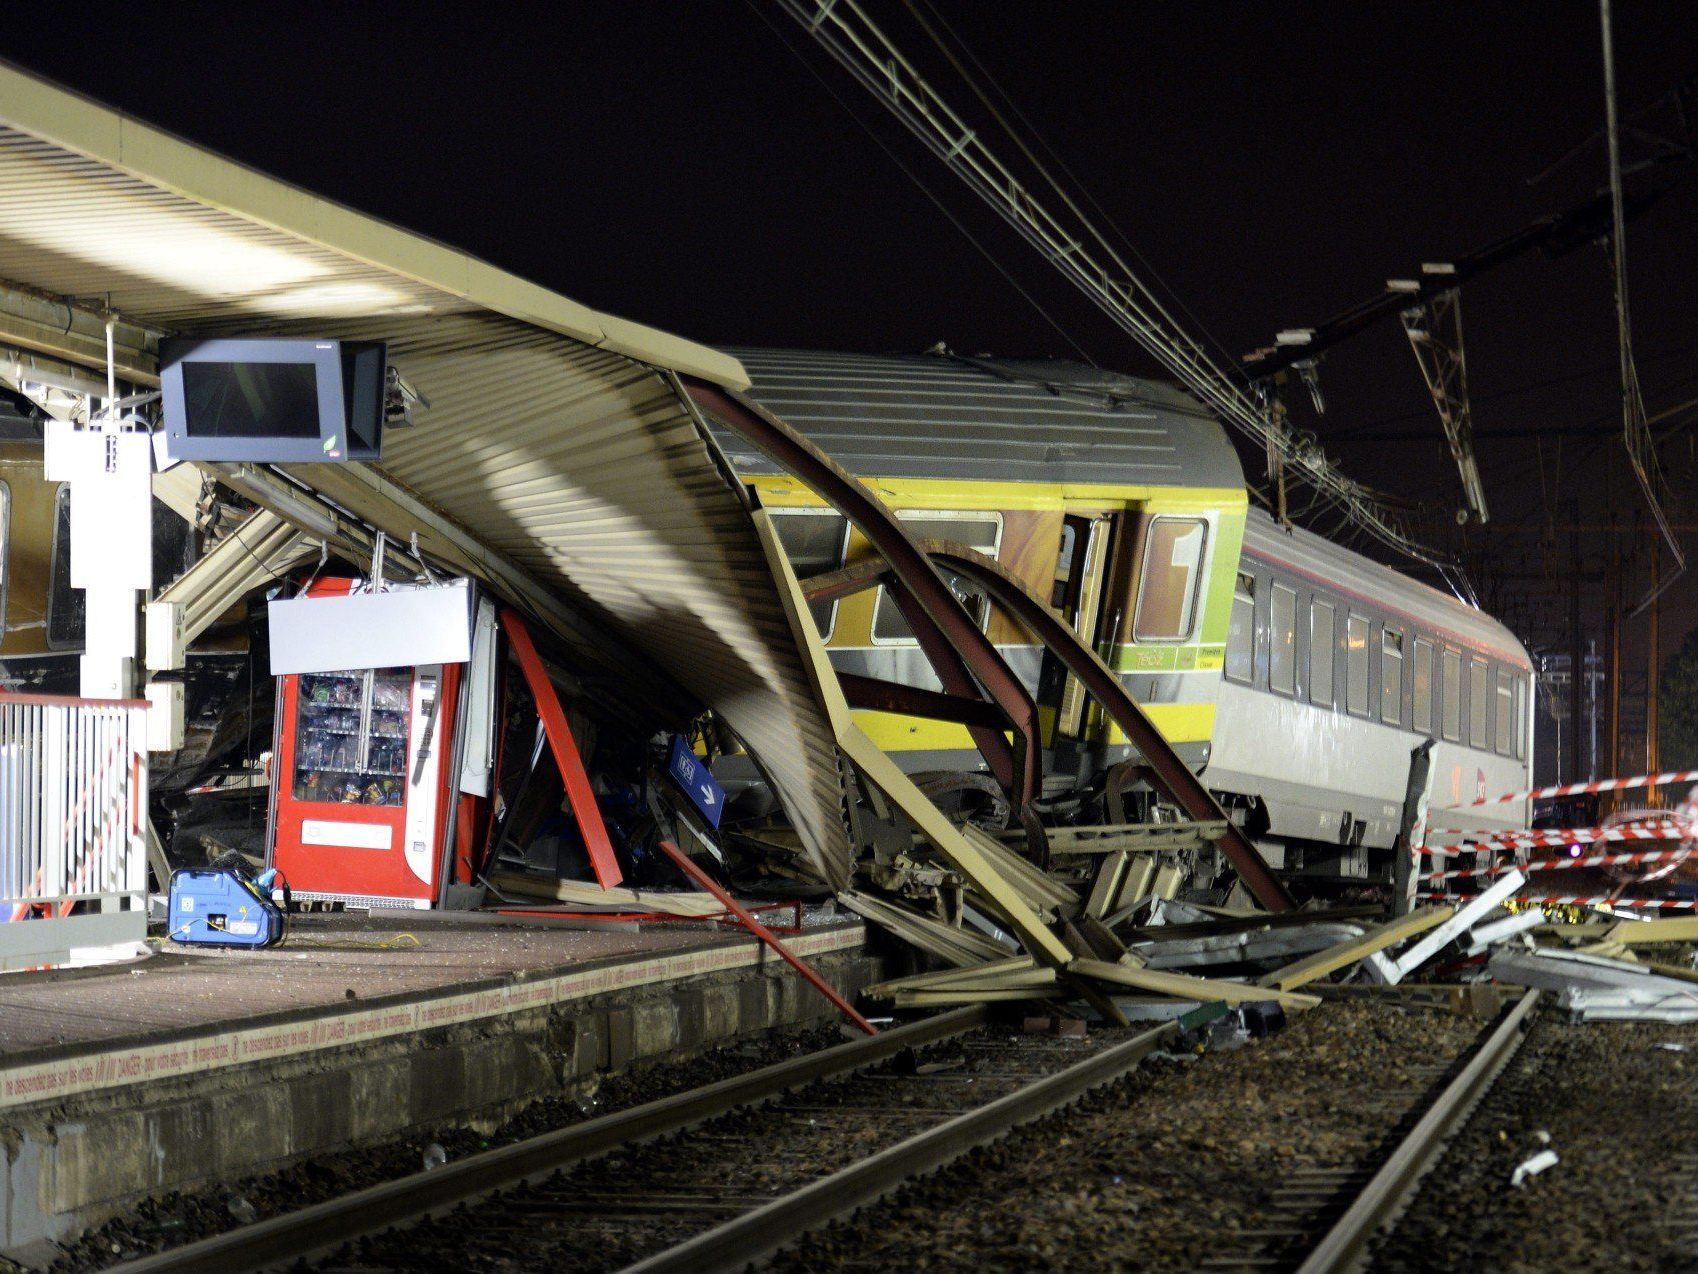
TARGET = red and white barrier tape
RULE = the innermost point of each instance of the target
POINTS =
(1550, 837)
(1580, 789)
(1562, 864)
(1577, 900)
(1646, 829)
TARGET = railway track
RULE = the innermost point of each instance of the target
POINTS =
(1322, 1218)
(1383, 1197)
(705, 1179)
(717, 1177)
(1310, 1197)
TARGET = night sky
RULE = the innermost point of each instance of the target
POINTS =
(680, 165)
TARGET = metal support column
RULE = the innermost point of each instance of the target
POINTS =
(1654, 670)
(1576, 657)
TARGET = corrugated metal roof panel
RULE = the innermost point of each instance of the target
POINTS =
(938, 416)
(585, 469)
(95, 203)
(552, 443)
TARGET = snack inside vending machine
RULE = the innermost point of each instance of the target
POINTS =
(367, 793)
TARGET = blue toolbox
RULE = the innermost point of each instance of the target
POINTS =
(222, 907)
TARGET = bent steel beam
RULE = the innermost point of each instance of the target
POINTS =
(960, 652)
(573, 776)
(1172, 774)
(878, 695)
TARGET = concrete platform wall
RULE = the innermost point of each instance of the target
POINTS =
(72, 1163)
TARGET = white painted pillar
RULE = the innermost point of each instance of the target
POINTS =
(110, 472)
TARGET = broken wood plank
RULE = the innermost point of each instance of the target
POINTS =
(953, 945)
(1636, 933)
(1122, 879)
(1351, 950)
(583, 893)
(1182, 986)
(1474, 910)
(1109, 838)
(1039, 888)
(1031, 982)
(966, 995)
(937, 978)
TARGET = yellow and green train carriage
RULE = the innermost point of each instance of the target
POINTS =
(1295, 675)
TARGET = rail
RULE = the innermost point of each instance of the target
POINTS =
(73, 817)
(1390, 1189)
(324, 1227)
(759, 1233)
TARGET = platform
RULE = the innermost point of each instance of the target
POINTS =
(189, 1068)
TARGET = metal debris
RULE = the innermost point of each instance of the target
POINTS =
(1532, 1167)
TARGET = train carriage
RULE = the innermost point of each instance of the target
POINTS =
(1296, 676)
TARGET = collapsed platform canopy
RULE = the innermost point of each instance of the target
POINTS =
(558, 461)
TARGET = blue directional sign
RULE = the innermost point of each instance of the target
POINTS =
(694, 780)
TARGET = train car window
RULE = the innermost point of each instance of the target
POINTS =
(1452, 696)
(1391, 676)
(1323, 646)
(1170, 579)
(815, 541)
(1506, 713)
(1421, 711)
(1241, 636)
(1282, 640)
(1477, 713)
(1356, 665)
(5, 549)
(1523, 688)
(981, 531)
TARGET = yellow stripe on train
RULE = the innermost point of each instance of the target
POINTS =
(1178, 722)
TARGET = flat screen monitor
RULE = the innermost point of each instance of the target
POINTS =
(273, 400)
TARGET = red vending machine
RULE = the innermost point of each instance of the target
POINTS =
(363, 783)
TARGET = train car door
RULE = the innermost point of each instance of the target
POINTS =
(1087, 543)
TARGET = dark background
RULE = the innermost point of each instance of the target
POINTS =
(678, 164)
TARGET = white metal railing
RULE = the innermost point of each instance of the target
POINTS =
(73, 818)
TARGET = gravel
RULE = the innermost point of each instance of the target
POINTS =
(1166, 1169)
(1619, 1111)
(606, 1213)
(178, 1218)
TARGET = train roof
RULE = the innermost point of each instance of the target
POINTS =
(939, 415)
(1379, 587)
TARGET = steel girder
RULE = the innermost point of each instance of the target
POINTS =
(965, 661)
(1170, 774)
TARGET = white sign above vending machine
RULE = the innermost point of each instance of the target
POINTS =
(402, 626)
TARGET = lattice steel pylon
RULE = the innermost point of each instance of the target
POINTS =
(1434, 328)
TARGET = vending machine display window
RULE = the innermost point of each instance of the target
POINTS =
(351, 737)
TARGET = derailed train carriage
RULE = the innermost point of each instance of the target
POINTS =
(1295, 676)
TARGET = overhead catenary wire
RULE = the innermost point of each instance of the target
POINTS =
(1038, 139)
(919, 182)
(850, 36)
(1636, 431)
